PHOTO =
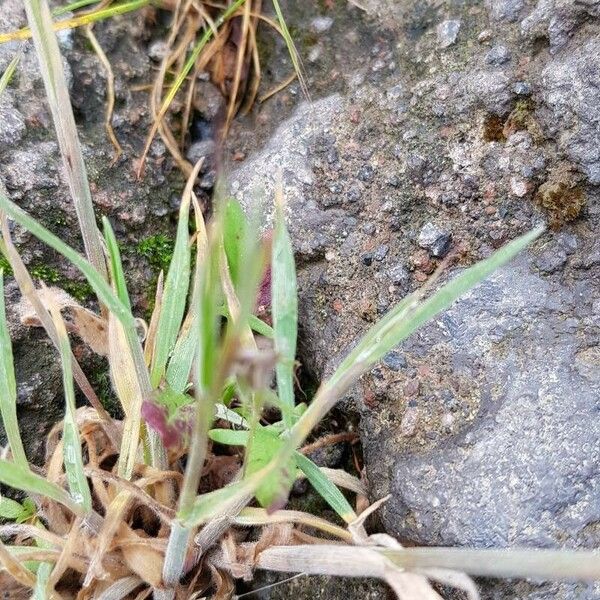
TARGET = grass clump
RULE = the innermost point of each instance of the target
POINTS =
(159, 502)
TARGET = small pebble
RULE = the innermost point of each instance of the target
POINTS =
(498, 55)
(321, 24)
(447, 32)
(435, 240)
(394, 361)
(408, 425)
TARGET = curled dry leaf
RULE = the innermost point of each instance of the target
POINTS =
(91, 328)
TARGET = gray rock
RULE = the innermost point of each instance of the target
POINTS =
(204, 149)
(434, 239)
(447, 32)
(558, 20)
(503, 482)
(504, 10)
(12, 125)
(498, 55)
(571, 92)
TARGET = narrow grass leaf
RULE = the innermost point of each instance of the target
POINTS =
(95, 279)
(234, 235)
(72, 457)
(410, 314)
(8, 388)
(9, 72)
(182, 358)
(176, 288)
(284, 310)
(78, 20)
(325, 488)
(25, 480)
(293, 52)
(116, 267)
(57, 93)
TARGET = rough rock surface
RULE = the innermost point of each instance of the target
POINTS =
(482, 426)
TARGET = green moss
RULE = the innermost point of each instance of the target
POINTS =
(80, 290)
(101, 382)
(5, 265)
(46, 274)
(158, 250)
(562, 199)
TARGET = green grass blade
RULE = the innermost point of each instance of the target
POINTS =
(229, 437)
(9, 72)
(95, 279)
(61, 10)
(175, 292)
(116, 266)
(325, 488)
(72, 457)
(234, 235)
(180, 365)
(411, 314)
(25, 480)
(8, 388)
(284, 310)
(57, 92)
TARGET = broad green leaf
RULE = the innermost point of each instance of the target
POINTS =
(57, 94)
(25, 480)
(8, 388)
(11, 509)
(325, 488)
(176, 290)
(273, 491)
(284, 310)
(72, 457)
(95, 279)
(229, 437)
(234, 235)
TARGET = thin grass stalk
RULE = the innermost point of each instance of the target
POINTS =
(57, 92)
(8, 388)
(28, 290)
(79, 20)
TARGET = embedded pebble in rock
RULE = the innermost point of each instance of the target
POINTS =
(447, 32)
(505, 10)
(321, 24)
(198, 150)
(434, 239)
(498, 55)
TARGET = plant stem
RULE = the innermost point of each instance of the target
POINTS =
(49, 57)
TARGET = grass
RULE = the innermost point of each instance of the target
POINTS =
(144, 504)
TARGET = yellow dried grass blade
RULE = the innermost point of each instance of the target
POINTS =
(78, 21)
